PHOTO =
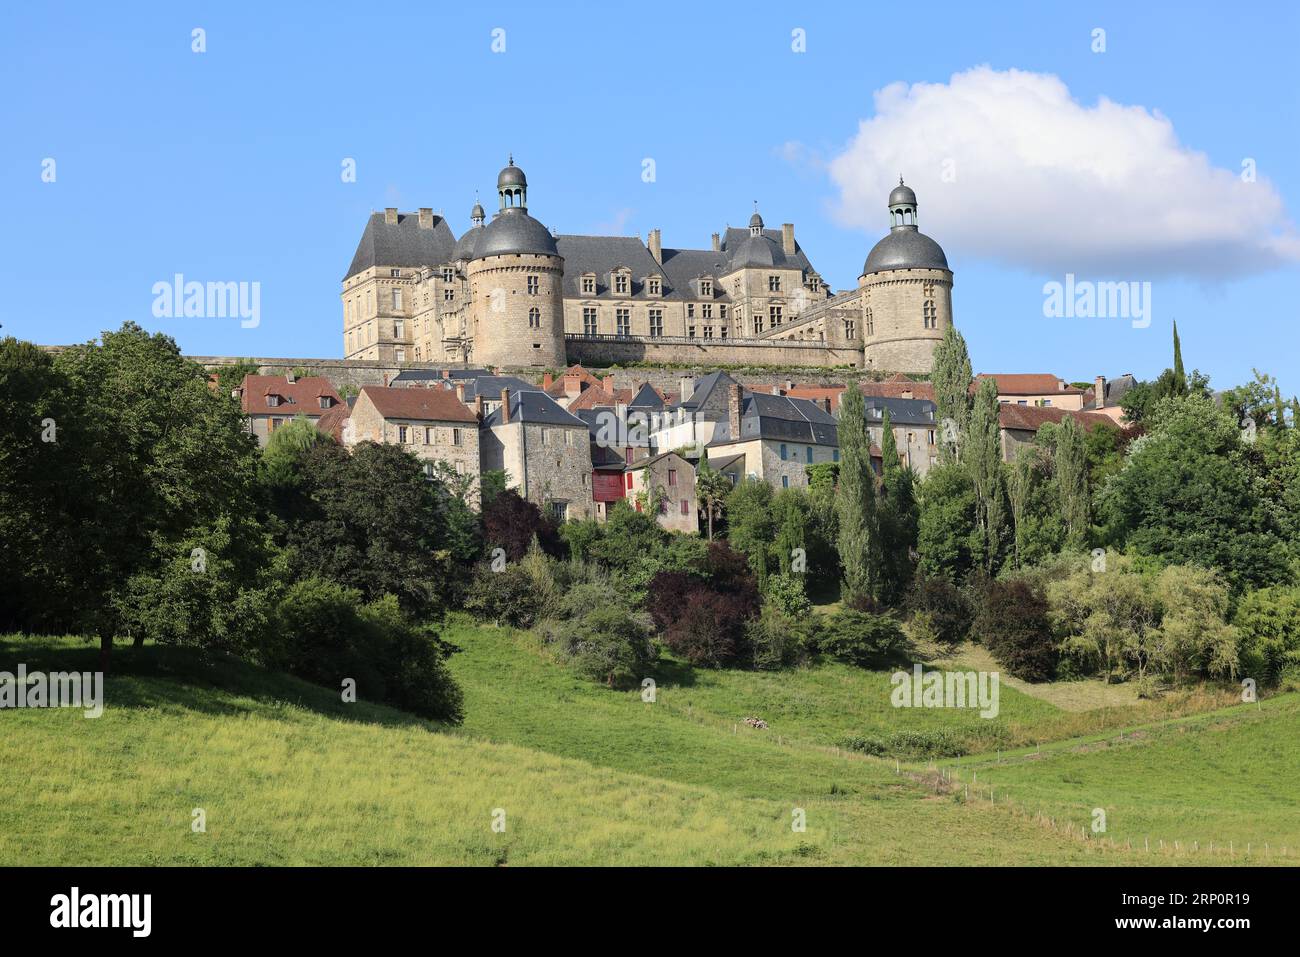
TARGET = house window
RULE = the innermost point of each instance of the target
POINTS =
(672, 477)
(654, 285)
(663, 506)
(534, 318)
(931, 436)
(326, 402)
(428, 435)
(559, 511)
(808, 455)
(835, 455)
(448, 294)
(399, 355)
(455, 436)
(785, 481)
(784, 452)
(686, 506)
(773, 283)
(774, 314)
(399, 328)
(428, 470)
(620, 283)
(623, 321)
(272, 400)
(629, 474)
(397, 299)
(533, 285)
(275, 424)
(588, 320)
(401, 435)
(588, 284)
(656, 322)
(690, 310)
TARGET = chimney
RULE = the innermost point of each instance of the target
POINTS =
(390, 215)
(656, 246)
(733, 410)
(716, 245)
(460, 392)
(825, 402)
(290, 377)
(478, 407)
(787, 238)
(548, 380)
(446, 373)
(505, 406)
(789, 384)
(1099, 393)
(687, 386)
(607, 384)
(426, 217)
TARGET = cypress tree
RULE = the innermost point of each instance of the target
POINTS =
(1180, 377)
(982, 453)
(951, 378)
(1072, 481)
(858, 542)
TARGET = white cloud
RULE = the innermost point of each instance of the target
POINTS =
(1038, 180)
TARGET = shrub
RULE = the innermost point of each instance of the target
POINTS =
(862, 639)
(786, 594)
(512, 523)
(777, 640)
(708, 631)
(1013, 624)
(1268, 625)
(939, 610)
(324, 634)
(519, 595)
(605, 642)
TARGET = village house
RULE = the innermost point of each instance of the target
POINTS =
(1035, 389)
(913, 422)
(269, 401)
(778, 436)
(1018, 424)
(666, 483)
(544, 450)
(432, 423)
(1106, 394)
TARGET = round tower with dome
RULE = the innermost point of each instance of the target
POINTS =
(515, 275)
(906, 293)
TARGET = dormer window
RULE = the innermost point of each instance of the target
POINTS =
(588, 285)
(653, 285)
(273, 400)
(706, 287)
(448, 274)
(326, 401)
(621, 283)
(773, 283)
(395, 273)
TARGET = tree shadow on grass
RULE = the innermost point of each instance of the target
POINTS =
(670, 673)
(168, 677)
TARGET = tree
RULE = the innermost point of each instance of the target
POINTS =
(983, 455)
(859, 534)
(230, 377)
(1038, 530)
(951, 377)
(1013, 624)
(792, 520)
(1187, 495)
(862, 639)
(1109, 620)
(1179, 377)
(750, 527)
(711, 491)
(1268, 624)
(948, 537)
(898, 518)
(511, 522)
(1072, 481)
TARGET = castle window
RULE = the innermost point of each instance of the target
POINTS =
(722, 311)
(534, 318)
(654, 285)
(656, 322)
(395, 273)
(706, 287)
(399, 327)
(397, 299)
(449, 294)
(706, 311)
(773, 283)
(399, 355)
(690, 332)
(623, 322)
(758, 323)
(620, 284)
(532, 285)
(774, 314)
(931, 316)
(588, 284)
(589, 320)
(871, 324)
(708, 332)
(448, 274)
(848, 329)
(690, 310)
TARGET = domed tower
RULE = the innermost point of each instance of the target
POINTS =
(906, 293)
(464, 250)
(515, 273)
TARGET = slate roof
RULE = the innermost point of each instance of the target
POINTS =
(432, 375)
(735, 237)
(704, 388)
(780, 418)
(905, 247)
(602, 255)
(490, 386)
(902, 411)
(1114, 388)
(426, 405)
(512, 231)
(403, 243)
(536, 407)
(647, 397)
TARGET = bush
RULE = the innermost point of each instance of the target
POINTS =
(703, 618)
(605, 641)
(1268, 624)
(512, 523)
(786, 594)
(324, 634)
(1013, 624)
(862, 639)
(519, 595)
(939, 610)
(777, 640)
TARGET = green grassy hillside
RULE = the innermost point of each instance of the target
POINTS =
(288, 774)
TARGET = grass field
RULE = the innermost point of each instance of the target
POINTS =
(288, 774)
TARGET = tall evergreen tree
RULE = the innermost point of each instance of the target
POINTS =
(1180, 377)
(898, 518)
(1279, 408)
(1072, 481)
(951, 379)
(982, 453)
(859, 536)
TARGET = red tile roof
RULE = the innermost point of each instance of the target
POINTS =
(333, 421)
(1029, 383)
(301, 397)
(426, 405)
(558, 388)
(1029, 418)
(595, 397)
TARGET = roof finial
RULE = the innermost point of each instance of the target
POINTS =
(900, 179)
(511, 162)
(755, 205)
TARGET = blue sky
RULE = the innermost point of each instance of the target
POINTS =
(225, 165)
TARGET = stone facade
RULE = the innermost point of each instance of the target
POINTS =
(548, 465)
(670, 479)
(509, 294)
(434, 435)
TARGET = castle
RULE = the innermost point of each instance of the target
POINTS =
(511, 294)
